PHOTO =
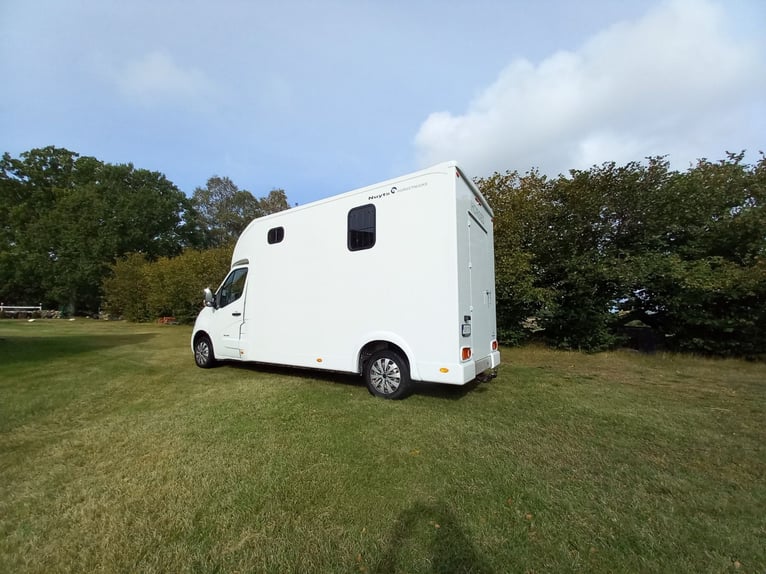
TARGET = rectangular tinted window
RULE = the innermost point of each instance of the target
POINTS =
(361, 227)
(276, 234)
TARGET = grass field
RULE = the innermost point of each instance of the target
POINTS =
(117, 454)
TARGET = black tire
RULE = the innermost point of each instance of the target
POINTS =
(387, 375)
(203, 352)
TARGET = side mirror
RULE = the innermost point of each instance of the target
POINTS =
(209, 298)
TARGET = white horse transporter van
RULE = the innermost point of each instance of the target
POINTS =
(394, 281)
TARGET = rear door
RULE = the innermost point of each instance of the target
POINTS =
(482, 288)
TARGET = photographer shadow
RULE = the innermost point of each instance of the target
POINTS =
(446, 547)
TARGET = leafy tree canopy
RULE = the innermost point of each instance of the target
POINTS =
(66, 218)
(685, 253)
(224, 210)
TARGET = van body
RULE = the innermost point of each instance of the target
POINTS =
(394, 281)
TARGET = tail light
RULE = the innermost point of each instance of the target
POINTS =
(494, 345)
(465, 353)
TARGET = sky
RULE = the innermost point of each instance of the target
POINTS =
(318, 98)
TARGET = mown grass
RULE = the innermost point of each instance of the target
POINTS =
(118, 455)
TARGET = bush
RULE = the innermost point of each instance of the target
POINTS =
(139, 290)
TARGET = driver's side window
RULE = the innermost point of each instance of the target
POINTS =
(233, 288)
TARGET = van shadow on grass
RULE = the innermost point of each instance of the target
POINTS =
(433, 390)
(25, 349)
(431, 535)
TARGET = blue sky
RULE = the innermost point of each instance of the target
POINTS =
(318, 98)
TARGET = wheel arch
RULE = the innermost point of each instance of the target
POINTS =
(200, 333)
(203, 350)
(381, 342)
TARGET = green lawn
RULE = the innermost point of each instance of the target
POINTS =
(117, 454)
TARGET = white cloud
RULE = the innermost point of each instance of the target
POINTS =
(156, 79)
(673, 82)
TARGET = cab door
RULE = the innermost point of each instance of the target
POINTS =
(229, 315)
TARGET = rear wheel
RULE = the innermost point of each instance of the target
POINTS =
(203, 352)
(388, 375)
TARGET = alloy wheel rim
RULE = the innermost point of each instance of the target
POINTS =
(202, 352)
(385, 376)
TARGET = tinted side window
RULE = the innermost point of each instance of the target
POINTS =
(232, 288)
(361, 227)
(276, 234)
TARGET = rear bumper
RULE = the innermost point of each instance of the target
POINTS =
(459, 373)
(489, 362)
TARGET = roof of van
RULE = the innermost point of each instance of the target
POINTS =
(439, 167)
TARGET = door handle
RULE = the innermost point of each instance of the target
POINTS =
(236, 314)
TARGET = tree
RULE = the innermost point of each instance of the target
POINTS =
(593, 250)
(598, 220)
(703, 285)
(66, 218)
(29, 187)
(274, 202)
(223, 210)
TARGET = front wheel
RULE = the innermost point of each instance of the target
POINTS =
(388, 375)
(203, 352)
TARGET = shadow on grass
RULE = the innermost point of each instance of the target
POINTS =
(431, 532)
(434, 390)
(15, 350)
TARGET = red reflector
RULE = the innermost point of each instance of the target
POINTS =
(494, 345)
